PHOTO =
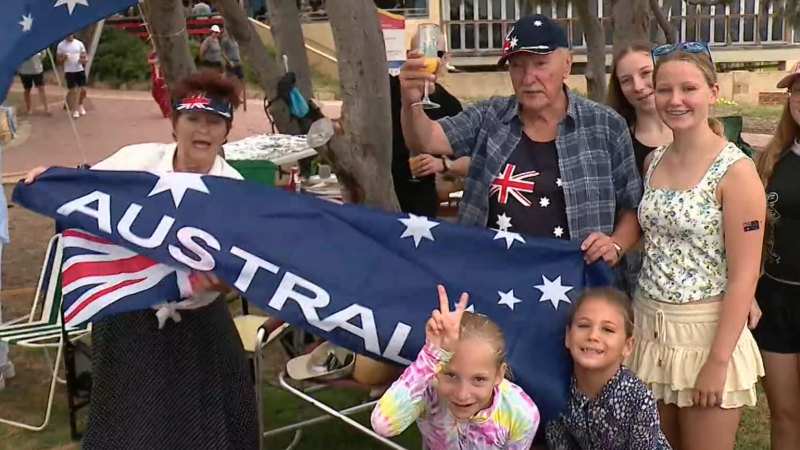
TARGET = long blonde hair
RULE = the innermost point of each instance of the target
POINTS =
(703, 62)
(788, 130)
(615, 98)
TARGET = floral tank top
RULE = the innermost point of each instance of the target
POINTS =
(684, 248)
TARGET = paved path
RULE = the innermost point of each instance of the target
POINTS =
(119, 118)
(114, 119)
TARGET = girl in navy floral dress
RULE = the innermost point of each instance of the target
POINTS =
(608, 408)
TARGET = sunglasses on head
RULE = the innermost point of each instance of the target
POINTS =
(688, 47)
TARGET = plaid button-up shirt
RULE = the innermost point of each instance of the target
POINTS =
(595, 157)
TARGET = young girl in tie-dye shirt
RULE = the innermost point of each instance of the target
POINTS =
(456, 390)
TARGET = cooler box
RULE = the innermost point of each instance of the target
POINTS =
(257, 171)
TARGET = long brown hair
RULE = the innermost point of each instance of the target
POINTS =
(615, 98)
(788, 130)
(703, 62)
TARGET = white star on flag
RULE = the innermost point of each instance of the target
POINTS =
(27, 22)
(470, 308)
(553, 291)
(70, 4)
(558, 231)
(544, 202)
(558, 182)
(509, 237)
(513, 42)
(508, 299)
(503, 222)
(177, 183)
(418, 227)
(537, 23)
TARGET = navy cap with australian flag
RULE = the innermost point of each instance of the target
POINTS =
(533, 34)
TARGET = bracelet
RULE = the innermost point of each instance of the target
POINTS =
(618, 250)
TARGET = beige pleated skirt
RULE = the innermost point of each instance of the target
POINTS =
(672, 344)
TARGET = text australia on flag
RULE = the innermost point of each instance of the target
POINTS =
(364, 279)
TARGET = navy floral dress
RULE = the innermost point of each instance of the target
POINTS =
(624, 416)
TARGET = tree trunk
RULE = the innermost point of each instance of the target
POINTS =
(168, 26)
(595, 51)
(243, 32)
(288, 34)
(630, 20)
(670, 35)
(526, 7)
(364, 153)
(692, 11)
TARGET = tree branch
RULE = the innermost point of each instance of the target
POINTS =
(168, 27)
(630, 21)
(595, 51)
(289, 41)
(669, 31)
(239, 27)
(366, 114)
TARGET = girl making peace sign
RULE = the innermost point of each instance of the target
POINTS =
(456, 389)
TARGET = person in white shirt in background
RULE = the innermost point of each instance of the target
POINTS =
(6, 366)
(72, 54)
(31, 73)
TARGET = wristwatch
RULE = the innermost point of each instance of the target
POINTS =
(447, 164)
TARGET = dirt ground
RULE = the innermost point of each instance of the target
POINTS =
(22, 258)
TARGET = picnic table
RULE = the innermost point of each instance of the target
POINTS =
(258, 158)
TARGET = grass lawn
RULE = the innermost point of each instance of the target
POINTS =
(24, 397)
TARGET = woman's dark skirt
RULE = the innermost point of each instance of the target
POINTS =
(187, 386)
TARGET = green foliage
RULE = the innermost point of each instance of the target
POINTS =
(194, 49)
(121, 58)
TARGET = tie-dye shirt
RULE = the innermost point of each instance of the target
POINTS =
(509, 423)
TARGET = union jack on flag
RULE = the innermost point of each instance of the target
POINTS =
(206, 104)
(100, 278)
(196, 102)
(516, 185)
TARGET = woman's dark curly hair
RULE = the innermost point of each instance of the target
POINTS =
(210, 84)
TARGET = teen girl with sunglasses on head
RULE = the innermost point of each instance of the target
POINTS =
(702, 214)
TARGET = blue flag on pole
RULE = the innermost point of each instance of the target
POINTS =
(361, 278)
(28, 26)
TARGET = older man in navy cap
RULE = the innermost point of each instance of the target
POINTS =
(545, 162)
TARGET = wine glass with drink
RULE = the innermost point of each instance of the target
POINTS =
(429, 44)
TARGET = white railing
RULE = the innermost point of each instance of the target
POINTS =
(314, 11)
(478, 27)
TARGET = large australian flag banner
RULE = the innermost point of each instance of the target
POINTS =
(364, 279)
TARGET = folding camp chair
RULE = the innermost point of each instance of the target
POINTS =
(256, 332)
(46, 330)
(733, 132)
(330, 413)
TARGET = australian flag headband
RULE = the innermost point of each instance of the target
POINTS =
(200, 102)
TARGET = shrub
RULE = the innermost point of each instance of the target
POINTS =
(121, 58)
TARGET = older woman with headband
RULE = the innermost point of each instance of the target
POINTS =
(183, 383)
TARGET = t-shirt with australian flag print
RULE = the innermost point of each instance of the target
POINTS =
(526, 196)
